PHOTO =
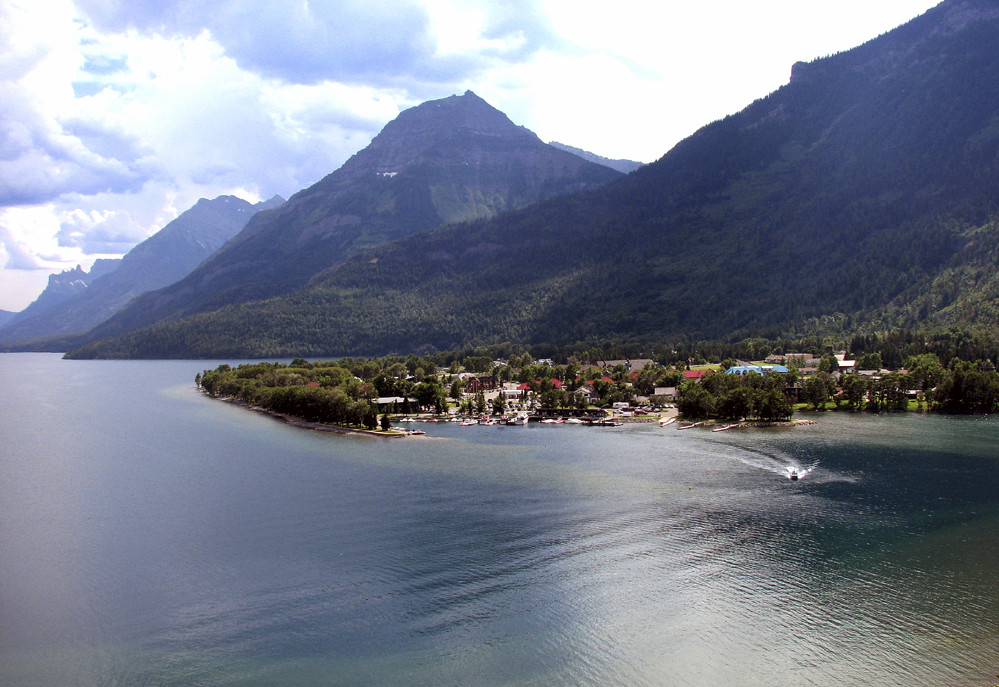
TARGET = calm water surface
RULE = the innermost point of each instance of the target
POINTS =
(151, 536)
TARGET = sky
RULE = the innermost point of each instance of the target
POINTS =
(116, 116)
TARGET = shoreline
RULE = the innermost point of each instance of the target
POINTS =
(295, 421)
(300, 423)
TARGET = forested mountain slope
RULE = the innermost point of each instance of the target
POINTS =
(443, 161)
(841, 199)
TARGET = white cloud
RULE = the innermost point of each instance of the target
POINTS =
(99, 232)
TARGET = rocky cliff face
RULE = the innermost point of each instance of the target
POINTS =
(60, 288)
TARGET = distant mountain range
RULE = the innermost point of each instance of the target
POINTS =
(623, 166)
(860, 195)
(76, 301)
(61, 287)
(446, 161)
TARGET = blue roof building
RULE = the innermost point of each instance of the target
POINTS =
(758, 369)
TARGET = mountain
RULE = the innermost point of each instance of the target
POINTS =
(445, 161)
(5, 316)
(851, 198)
(60, 288)
(623, 166)
(74, 303)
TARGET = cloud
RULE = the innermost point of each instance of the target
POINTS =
(385, 43)
(99, 233)
(42, 157)
(17, 254)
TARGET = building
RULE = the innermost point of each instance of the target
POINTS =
(756, 369)
(476, 383)
(794, 359)
(667, 392)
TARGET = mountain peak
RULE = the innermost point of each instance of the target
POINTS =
(416, 132)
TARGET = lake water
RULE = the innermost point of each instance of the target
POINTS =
(152, 536)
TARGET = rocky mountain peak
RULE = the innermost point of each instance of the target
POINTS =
(416, 132)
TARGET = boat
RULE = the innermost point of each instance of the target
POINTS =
(573, 421)
(792, 474)
(722, 429)
(518, 419)
(667, 421)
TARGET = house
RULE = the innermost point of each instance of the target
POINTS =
(588, 393)
(756, 369)
(694, 375)
(476, 383)
(512, 392)
(536, 385)
(667, 392)
(846, 366)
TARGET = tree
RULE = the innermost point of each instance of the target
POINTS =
(869, 361)
(773, 406)
(397, 370)
(428, 392)
(695, 401)
(829, 364)
(817, 389)
(925, 370)
(386, 422)
(854, 390)
(738, 403)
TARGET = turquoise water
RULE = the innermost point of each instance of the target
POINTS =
(151, 536)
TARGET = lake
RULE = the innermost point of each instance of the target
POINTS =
(152, 536)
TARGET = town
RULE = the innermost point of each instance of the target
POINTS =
(477, 389)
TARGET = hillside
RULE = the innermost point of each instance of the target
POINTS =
(166, 256)
(441, 162)
(840, 201)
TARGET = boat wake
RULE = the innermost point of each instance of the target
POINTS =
(775, 462)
